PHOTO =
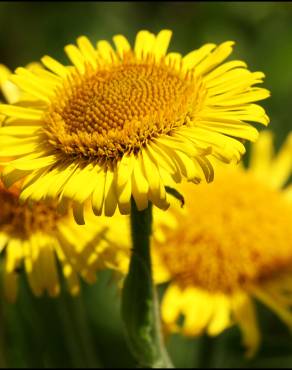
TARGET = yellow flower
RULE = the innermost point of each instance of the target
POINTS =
(34, 236)
(231, 245)
(118, 122)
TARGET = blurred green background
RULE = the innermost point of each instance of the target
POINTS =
(87, 331)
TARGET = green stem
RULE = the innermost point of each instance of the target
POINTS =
(206, 346)
(140, 307)
(2, 337)
(82, 328)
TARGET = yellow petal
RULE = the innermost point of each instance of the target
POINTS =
(262, 153)
(221, 319)
(161, 43)
(244, 313)
(122, 45)
(140, 185)
(55, 66)
(144, 43)
(197, 307)
(21, 112)
(98, 194)
(87, 50)
(281, 167)
(76, 57)
(110, 197)
(218, 55)
(171, 305)
(106, 51)
(193, 58)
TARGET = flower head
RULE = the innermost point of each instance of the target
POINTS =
(40, 237)
(119, 122)
(230, 245)
(34, 237)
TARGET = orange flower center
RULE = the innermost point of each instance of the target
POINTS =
(236, 231)
(115, 110)
(21, 220)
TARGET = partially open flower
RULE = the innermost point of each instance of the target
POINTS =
(119, 122)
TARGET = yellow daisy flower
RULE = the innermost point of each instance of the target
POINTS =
(119, 121)
(231, 245)
(34, 236)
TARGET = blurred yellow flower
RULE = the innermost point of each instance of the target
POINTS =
(35, 236)
(118, 122)
(230, 245)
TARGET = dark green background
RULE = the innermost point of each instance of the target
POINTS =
(87, 331)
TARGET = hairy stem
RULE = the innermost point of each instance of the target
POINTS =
(140, 307)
